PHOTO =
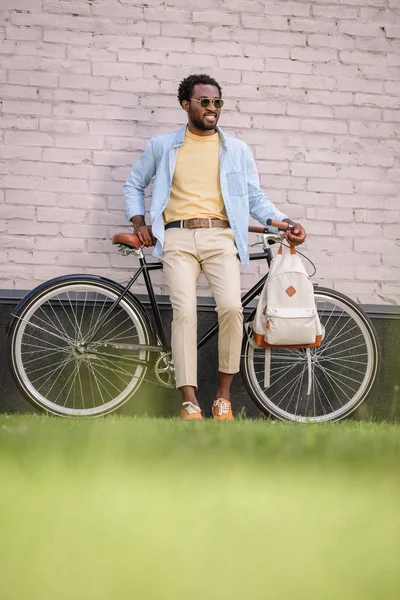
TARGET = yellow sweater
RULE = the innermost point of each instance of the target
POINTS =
(196, 189)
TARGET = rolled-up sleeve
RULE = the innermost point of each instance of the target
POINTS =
(260, 207)
(139, 178)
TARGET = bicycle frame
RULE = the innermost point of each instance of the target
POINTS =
(145, 269)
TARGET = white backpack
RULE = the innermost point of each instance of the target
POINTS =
(286, 314)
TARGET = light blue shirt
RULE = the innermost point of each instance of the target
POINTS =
(240, 186)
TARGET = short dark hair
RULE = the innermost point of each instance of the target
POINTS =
(186, 86)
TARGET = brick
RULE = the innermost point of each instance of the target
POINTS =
(302, 169)
(357, 230)
(375, 100)
(324, 156)
(30, 197)
(391, 231)
(64, 126)
(26, 123)
(311, 198)
(310, 82)
(118, 69)
(359, 201)
(192, 60)
(280, 123)
(16, 212)
(84, 231)
(108, 218)
(338, 42)
(214, 17)
(229, 33)
(360, 85)
(59, 243)
(359, 29)
(323, 126)
(357, 113)
(92, 53)
(336, 70)
(20, 243)
(330, 214)
(23, 33)
(140, 85)
(251, 64)
(20, 152)
(117, 11)
(269, 23)
(364, 173)
(392, 31)
(377, 246)
(17, 227)
(376, 188)
(377, 273)
(301, 9)
(85, 111)
(314, 55)
(313, 25)
(27, 108)
(179, 16)
(28, 138)
(67, 37)
(85, 81)
(187, 30)
(67, 6)
(266, 51)
(282, 38)
(331, 12)
(64, 95)
(63, 155)
(330, 185)
(61, 215)
(374, 130)
(262, 107)
(259, 79)
(365, 58)
(171, 44)
(114, 43)
(376, 216)
(330, 98)
(287, 66)
(274, 167)
(141, 56)
(89, 201)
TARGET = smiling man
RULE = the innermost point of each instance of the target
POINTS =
(205, 186)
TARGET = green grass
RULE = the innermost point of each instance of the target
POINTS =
(155, 509)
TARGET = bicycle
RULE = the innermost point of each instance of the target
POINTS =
(82, 345)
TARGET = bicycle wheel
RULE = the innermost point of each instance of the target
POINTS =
(56, 365)
(342, 369)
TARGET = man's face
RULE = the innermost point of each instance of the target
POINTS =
(204, 119)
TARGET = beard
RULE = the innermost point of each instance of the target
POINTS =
(200, 124)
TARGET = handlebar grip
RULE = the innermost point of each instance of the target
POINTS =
(257, 229)
(279, 224)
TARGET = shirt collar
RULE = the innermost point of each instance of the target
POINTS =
(180, 135)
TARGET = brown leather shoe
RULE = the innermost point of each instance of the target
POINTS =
(222, 410)
(190, 412)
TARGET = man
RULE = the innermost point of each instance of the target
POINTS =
(205, 186)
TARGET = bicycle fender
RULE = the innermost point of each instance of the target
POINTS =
(68, 278)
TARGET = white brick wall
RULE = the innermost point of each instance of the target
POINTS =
(312, 86)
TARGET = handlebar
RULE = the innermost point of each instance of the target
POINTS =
(281, 225)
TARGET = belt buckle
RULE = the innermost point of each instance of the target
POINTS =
(194, 223)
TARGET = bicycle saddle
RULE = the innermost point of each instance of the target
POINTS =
(127, 239)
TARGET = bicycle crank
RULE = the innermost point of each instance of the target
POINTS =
(164, 370)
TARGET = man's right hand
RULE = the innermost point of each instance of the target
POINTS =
(143, 231)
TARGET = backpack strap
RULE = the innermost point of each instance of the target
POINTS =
(292, 249)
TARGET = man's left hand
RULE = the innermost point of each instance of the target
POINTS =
(297, 235)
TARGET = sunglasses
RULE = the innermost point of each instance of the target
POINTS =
(205, 102)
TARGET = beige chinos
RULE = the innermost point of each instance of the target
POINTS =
(186, 253)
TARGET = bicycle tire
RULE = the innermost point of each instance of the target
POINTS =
(48, 359)
(343, 368)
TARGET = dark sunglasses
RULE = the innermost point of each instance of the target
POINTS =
(205, 102)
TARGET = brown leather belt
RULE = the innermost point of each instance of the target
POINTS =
(197, 223)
